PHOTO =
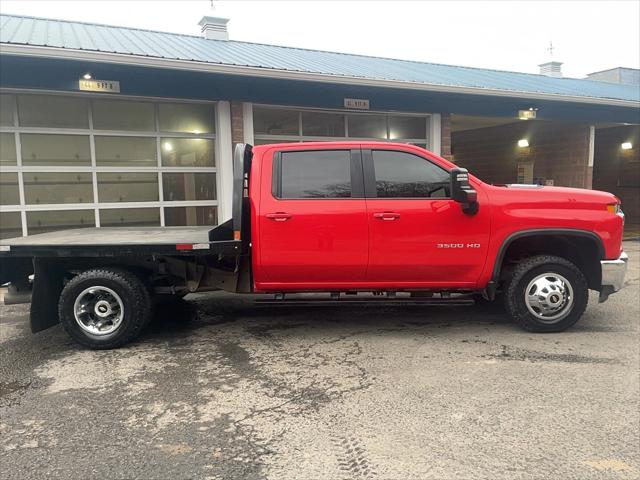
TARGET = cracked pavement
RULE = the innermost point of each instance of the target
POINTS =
(220, 388)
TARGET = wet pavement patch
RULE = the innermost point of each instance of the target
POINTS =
(518, 354)
(265, 330)
(237, 357)
(12, 392)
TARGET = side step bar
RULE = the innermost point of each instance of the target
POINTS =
(387, 301)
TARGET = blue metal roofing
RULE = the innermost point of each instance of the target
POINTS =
(30, 31)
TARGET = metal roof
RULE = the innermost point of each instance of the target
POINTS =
(20, 34)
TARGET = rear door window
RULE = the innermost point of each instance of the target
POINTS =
(402, 174)
(313, 174)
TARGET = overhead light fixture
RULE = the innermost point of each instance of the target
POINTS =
(523, 143)
(167, 147)
(626, 146)
(87, 76)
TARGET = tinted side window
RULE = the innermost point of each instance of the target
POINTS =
(315, 174)
(400, 174)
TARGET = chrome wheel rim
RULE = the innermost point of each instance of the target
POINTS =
(98, 310)
(549, 297)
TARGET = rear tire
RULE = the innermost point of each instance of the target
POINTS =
(546, 294)
(105, 307)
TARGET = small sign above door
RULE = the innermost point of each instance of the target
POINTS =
(108, 86)
(357, 103)
(527, 114)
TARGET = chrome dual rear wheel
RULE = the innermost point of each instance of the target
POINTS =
(98, 310)
(105, 307)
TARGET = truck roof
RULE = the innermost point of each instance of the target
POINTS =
(341, 143)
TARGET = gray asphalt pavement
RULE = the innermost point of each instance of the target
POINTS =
(325, 393)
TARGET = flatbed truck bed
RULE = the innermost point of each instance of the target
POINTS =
(119, 241)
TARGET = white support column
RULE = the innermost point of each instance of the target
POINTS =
(94, 174)
(247, 122)
(224, 155)
(18, 144)
(435, 133)
(592, 146)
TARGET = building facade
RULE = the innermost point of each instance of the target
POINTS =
(107, 126)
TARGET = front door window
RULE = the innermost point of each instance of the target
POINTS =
(404, 175)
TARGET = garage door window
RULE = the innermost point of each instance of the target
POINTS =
(48, 188)
(7, 109)
(55, 150)
(322, 124)
(187, 152)
(105, 160)
(407, 127)
(9, 191)
(10, 224)
(51, 220)
(128, 187)
(130, 217)
(280, 125)
(190, 216)
(367, 126)
(189, 186)
(186, 118)
(126, 151)
(53, 111)
(124, 115)
(8, 149)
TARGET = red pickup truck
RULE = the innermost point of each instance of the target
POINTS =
(361, 221)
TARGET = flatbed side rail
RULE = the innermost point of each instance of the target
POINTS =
(221, 247)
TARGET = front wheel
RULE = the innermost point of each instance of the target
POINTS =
(105, 307)
(546, 294)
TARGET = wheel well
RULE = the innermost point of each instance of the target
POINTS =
(582, 250)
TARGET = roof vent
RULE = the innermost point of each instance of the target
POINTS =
(551, 69)
(214, 28)
(625, 76)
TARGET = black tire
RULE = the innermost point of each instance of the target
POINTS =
(528, 270)
(135, 313)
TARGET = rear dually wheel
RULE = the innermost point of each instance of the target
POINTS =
(105, 307)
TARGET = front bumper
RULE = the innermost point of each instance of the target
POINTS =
(613, 272)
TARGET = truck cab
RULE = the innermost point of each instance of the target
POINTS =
(362, 216)
(356, 218)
